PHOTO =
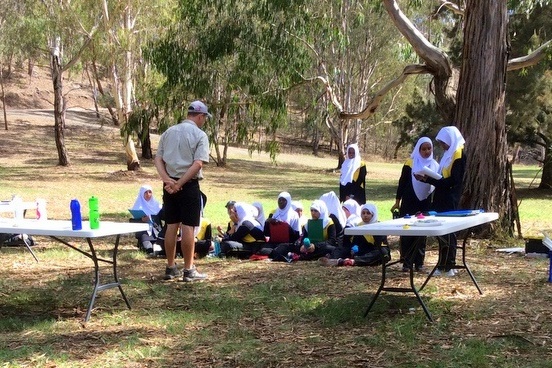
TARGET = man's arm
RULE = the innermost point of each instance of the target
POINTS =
(162, 171)
(190, 173)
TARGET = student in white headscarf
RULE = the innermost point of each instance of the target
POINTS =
(313, 251)
(448, 190)
(297, 206)
(363, 250)
(285, 213)
(248, 238)
(413, 196)
(146, 202)
(335, 211)
(352, 181)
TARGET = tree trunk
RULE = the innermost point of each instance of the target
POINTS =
(3, 96)
(59, 117)
(546, 179)
(480, 110)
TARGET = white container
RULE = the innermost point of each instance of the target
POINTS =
(18, 210)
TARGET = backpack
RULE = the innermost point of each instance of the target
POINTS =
(14, 240)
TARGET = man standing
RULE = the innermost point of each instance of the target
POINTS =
(183, 148)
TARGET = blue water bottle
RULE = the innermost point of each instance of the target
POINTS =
(217, 248)
(76, 219)
(354, 250)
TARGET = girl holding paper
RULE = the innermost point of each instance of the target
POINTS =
(448, 190)
(151, 208)
(413, 196)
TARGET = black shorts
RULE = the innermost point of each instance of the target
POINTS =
(183, 206)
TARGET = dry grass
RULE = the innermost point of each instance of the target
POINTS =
(249, 313)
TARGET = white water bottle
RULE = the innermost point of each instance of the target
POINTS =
(18, 211)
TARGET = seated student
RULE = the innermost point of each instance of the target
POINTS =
(284, 214)
(260, 212)
(232, 220)
(248, 238)
(365, 250)
(335, 212)
(352, 212)
(298, 207)
(152, 209)
(316, 249)
(203, 238)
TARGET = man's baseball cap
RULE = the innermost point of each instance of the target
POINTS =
(199, 108)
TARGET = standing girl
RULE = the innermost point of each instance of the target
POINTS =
(413, 196)
(448, 190)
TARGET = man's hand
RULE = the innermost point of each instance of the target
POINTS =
(171, 186)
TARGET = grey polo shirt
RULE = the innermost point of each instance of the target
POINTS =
(180, 146)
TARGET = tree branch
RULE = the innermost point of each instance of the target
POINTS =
(455, 8)
(437, 60)
(531, 59)
(376, 100)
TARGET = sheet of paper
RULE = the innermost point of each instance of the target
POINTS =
(432, 174)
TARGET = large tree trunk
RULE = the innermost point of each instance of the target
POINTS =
(546, 178)
(59, 116)
(480, 110)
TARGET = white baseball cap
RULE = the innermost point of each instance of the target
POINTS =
(199, 107)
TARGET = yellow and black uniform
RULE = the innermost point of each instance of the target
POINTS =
(352, 182)
(203, 238)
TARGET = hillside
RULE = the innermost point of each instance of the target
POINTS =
(36, 91)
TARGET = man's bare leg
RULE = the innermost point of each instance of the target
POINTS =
(187, 245)
(170, 243)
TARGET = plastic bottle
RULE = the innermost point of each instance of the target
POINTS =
(94, 215)
(41, 213)
(76, 220)
(354, 250)
(306, 244)
(217, 247)
(18, 211)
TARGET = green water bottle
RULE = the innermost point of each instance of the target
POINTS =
(94, 215)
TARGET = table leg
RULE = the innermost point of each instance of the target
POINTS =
(98, 286)
(464, 265)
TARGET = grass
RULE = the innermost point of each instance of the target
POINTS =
(251, 314)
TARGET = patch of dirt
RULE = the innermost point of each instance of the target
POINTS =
(36, 91)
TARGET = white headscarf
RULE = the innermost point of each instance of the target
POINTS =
(287, 214)
(350, 165)
(422, 190)
(151, 207)
(320, 206)
(246, 212)
(334, 207)
(373, 210)
(354, 212)
(260, 212)
(296, 204)
(453, 138)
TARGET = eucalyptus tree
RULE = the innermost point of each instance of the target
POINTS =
(240, 57)
(70, 29)
(528, 91)
(116, 55)
(470, 95)
(354, 46)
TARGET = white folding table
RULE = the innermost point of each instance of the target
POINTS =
(58, 229)
(429, 226)
(9, 207)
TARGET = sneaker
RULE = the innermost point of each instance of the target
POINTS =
(405, 269)
(172, 273)
(450, 273)
(193, 275)
(437, 272)
(421, 269)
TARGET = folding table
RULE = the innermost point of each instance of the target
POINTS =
(429, 226)
(9, 207)
(58, 229)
